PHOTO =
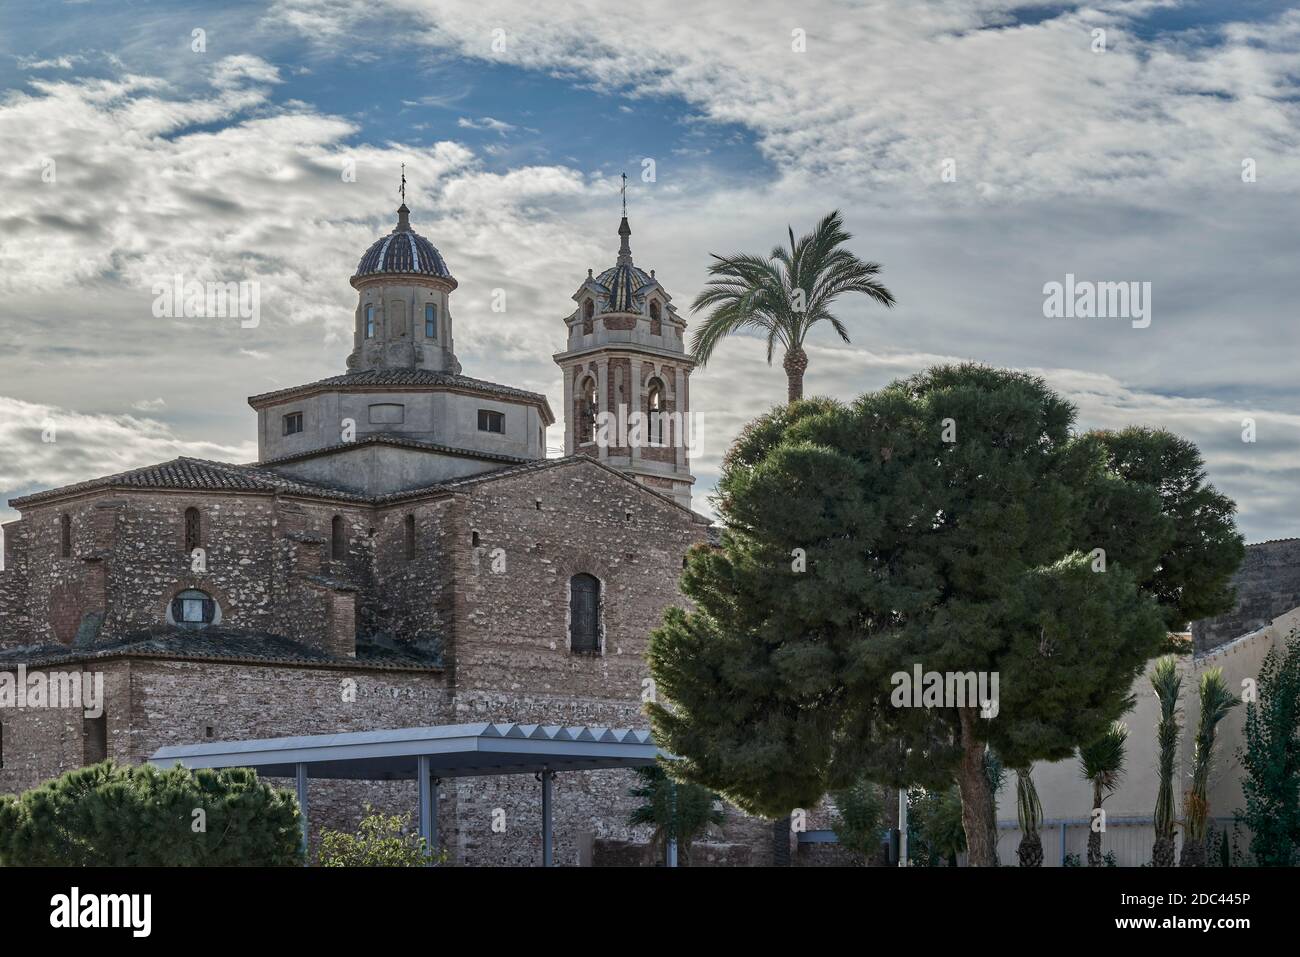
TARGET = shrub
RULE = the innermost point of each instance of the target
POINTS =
(380, 841)
(109, 815)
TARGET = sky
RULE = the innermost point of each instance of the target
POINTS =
(978, 149)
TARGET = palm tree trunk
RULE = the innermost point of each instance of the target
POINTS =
(796, 364)
(976, 797)
(1094, 837)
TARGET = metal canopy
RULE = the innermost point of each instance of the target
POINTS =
(426, 755)
(456, 750)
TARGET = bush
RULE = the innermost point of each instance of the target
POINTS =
(380, 841)
(109, 815)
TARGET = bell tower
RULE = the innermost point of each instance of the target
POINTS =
(627, 376)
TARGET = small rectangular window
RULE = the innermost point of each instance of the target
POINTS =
(489, 421)
(430, 320)
(293, 423)
(370, 322)
(94, 739)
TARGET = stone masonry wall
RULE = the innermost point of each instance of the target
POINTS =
(1268, 585)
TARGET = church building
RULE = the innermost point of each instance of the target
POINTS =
(402, 553)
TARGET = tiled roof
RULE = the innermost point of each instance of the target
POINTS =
(403, 252)
(218, 644)
(200, 475)
(621, 284)
(400, 378)
(400, 441)
(187, 474)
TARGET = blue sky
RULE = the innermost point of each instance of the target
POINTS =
(1123, 164)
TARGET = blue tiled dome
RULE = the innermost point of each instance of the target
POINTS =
(622, 281)
(402, 251)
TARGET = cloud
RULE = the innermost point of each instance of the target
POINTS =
(1123, 165)
(45, 446)
(485, 123)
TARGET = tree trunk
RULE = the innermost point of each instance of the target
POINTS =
(781, 842)
(796, 364)
(1094, 836)
(976, 797)
(1162, 853)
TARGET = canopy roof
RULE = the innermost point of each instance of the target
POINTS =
(456, 750)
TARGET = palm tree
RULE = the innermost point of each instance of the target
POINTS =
(1166, 682)
(784, 295)
(1030, 811)
(1216, 702)
(687, 809)
(1102, 763)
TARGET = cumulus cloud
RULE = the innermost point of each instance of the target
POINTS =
(1121, 165)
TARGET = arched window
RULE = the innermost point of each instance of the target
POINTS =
(65, 536)
(338, 544)
(587, 411)
(193, 530)
(588, 311)
(430, 321)
(370, 322)
(410, 537)
(656, 326)
(654, 412)
(584, 614)
(194, 609)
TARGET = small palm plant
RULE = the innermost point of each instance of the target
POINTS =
(1167, 683)
(686, 810)
(1102, 763)
(784, 294)
(1029, 809)
(1216, 701)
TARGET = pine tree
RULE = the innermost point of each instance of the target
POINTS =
(954, 521)
(109, 815)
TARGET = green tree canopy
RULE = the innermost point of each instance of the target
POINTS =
(109, 815)
(953, 520)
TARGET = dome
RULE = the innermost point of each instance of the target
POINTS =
(403, 251)
(623, 281)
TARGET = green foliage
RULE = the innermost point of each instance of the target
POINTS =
(1216, 701)
(973, 555)
(380, 841)
(860, 818)
(1270, 757)
(686, 809)
(109, 815)
(1167, 684)
(935, 835)
(1029, 809)
(1072, 860)
(1102, 762)
(757, 293)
